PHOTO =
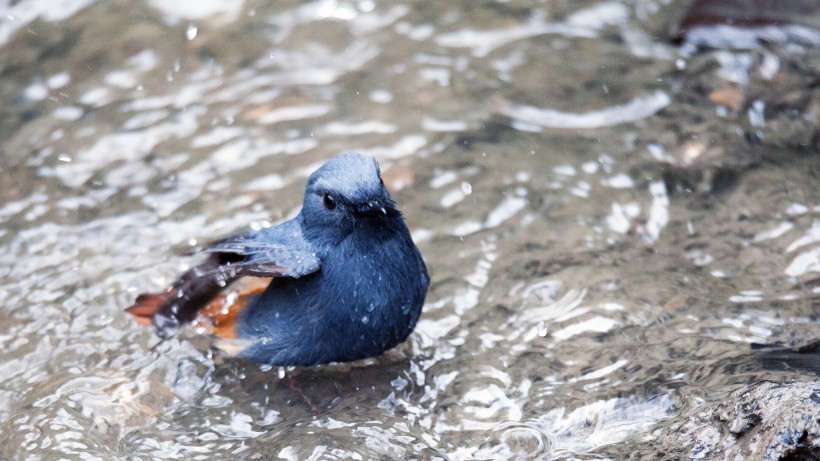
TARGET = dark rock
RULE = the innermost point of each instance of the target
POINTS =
(763, 421)
(745, 14)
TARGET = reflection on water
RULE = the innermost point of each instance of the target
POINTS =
(592, 275)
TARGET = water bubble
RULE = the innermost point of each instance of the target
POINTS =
(280, 372)
(371, 307)
(190, 33)
(542, 328)
(365, 319)
(466, 188)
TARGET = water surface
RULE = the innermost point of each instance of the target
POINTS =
(604, 241)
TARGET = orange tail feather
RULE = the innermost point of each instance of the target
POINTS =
(147, 305)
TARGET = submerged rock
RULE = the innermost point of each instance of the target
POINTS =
(746, 92)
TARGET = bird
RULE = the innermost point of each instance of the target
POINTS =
(341, 281)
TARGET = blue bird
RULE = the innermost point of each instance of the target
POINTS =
(341, 281)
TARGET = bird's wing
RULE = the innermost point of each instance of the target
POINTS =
(275, 252)
(278, 253)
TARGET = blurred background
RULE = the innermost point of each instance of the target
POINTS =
(618, 203)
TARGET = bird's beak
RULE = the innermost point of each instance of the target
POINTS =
(376, 209)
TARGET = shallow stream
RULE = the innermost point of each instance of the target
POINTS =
(606, 238)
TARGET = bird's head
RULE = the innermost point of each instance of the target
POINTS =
(345, 192)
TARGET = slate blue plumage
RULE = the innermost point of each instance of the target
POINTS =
(349, 282)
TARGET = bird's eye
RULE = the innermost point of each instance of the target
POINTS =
(329, 201)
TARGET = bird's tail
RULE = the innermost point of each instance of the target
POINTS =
(147, 305)
(187, 296)
(200, 296)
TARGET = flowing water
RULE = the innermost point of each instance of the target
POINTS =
(605, 243)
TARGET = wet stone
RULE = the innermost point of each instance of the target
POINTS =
(746, 14)
(767, 421)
